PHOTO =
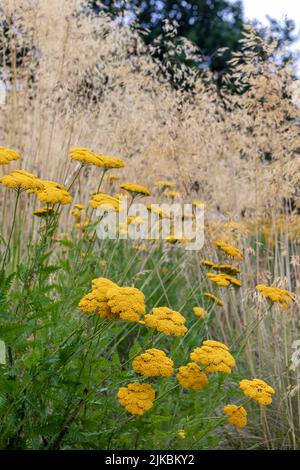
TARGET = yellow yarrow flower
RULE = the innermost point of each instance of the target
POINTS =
(191, 376)
(227, 269)
(215, 299)
(274, 294)
(53, 193)
(96, 301)
(224, 280)
(164, 184)
(182, 434)
(153, 363)
(215, 356)
(258, 390)
(126, 303)
(171, 193)
(112, 178)
(8, 155)
(200, 312)
(136, 189)
(110, 162)
(43, 212)
(166, 321)
(158, 211)
(207, 263)
(199, 204)
(106, 202)
(89, 157)
(229, 249)
(21, 179)
(237, 415)
(136, 398)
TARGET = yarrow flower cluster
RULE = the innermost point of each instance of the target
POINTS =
(229, 249)
(215, 356)
(191, 376)
(136, 189)
(274, 295)
(258, 390)
(224, 280)
(53, 193)
(88, 157)
(21, 179)
(237, 415)
(166, 321)
(8, 155)
(200, 312)
(110, 301)
(136, 398)
(215, 299)
(153, 363)
(105, 202)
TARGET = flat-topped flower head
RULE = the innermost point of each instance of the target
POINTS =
(21, 179)
(223, 280)
(167, 321)
(198, 204)
(96, 301)
(172, 193)
(164, 184)
(200, 312)
(8, 155)
(258, 390)
(227, 269)
(191, 376)
(153, 363)
(53, 193)
(276, 295)
(110, 162)
(215, 299)
(111, 178)
(105, 202)
(85, 156)
(215, 356)
(126, 303)
(237, 415)
(208, 263)
(136, 189)
(158, 211)
(80, 207)
(136, 398)
(230, 250)
(43, 212)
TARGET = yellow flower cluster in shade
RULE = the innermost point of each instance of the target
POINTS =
(274, 294)
(136, 398)
(88, 157)
(112, 178)
(21, 179)
(215, 356)
(237, 415)
(153, 363)
(258, 390)
(167, 321)
(8, 155)
(224, 280)
(215, 299)
(199, 204)
(171, 193)
(53, 193)
(108, 300)
(200, 312)
(164, 184)
(135, 189)
(43, 212)
(182, 434)
(229, 249)
(158, 211)
(190, 376)
(225, 268)
(106, 202)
